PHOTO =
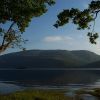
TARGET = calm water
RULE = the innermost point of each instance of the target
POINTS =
(12, 80)
(15, 79)
(51, 76)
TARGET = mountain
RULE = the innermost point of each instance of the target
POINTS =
(87, 56)
(48, 59)
(92, 65)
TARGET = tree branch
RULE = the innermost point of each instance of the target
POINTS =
(6, 33)
(96, 12)
(4, 47)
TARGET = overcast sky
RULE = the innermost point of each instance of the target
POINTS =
(42, 35)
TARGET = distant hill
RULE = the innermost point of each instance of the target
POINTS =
(48, 59)
(86, 56)
(92, 65)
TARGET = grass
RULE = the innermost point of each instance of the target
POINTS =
(36, 95)
(94, 92)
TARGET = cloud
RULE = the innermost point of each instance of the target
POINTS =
(57, 38)
(53, 38)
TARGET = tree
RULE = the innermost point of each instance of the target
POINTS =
(81, 18)
(19, 13)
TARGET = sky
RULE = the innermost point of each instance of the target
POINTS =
(43, 35)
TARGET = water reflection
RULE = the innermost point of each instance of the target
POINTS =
(52, 77)
(71, 76)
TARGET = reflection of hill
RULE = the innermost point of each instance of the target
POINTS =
(50, 77)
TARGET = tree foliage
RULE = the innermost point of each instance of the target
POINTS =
(81, 18)
(19, 13)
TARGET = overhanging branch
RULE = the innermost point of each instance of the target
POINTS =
(6, 33)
